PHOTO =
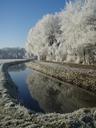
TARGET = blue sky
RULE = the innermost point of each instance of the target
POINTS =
(18, 16)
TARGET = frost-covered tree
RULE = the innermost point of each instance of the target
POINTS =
(43, 36)
(78, 27)
(68, 36)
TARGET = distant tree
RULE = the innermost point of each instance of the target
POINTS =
(12, 53)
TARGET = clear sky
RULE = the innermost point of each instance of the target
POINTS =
(18, 16)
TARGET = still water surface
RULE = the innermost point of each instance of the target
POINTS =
(41, 93)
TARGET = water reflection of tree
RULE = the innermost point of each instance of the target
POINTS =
(17, 67)
(54, 96)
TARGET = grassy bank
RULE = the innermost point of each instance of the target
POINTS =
(78, 75)
(13, 115)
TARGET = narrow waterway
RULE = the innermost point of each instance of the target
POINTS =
(41, 93)
(19, 74)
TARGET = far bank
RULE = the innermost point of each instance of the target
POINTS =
(80, 75)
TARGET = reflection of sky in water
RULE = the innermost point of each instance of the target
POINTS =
(49, 94)
(20, 77)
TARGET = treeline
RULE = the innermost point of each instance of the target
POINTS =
(12, 53)
(69, 35)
